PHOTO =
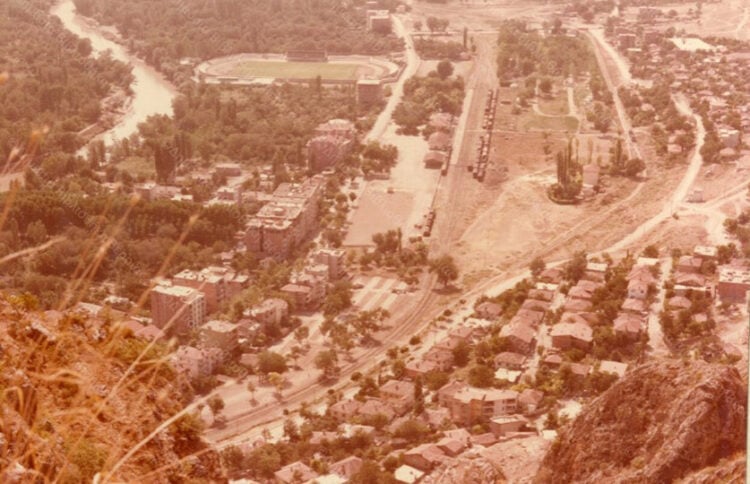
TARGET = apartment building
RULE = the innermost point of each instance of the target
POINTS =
(177, 309)
(468, 405)
(196, 363)
(218, 284)
(220, 334)
(287, 220)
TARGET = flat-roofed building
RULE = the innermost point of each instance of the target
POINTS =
(220, 334)
(379, 21)
(287, 220)
(469, 405)
(177, 309)
(733, 284)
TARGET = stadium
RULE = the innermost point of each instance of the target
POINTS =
(250, 69)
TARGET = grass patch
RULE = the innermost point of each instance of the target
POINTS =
(137, 166)
(295, 70)
(530, 121)
(557, 106)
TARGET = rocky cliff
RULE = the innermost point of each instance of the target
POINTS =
(664, 421)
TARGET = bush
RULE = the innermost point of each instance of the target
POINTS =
(270, 362)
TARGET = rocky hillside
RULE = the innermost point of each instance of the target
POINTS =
(74, 401)
(664, 421)
(469, 467)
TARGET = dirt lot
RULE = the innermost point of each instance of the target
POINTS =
(400, 201)
(726, 18)
(717, 180)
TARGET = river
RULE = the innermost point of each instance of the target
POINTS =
(152, 93)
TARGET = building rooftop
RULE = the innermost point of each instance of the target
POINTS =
(175, 290)
(615, 367)
(577, 330)
(691, 44)
(220, 326)
(467, 394)
(734, 275)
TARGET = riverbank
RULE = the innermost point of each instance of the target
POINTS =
(113, 109)
(152, 93)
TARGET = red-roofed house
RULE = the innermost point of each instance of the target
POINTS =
(347, 467)
(521, 337)
(572, 335)
(489, 310)
(424, 457)
(294, 473)
(629, 324)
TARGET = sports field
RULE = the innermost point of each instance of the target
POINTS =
(336, 71)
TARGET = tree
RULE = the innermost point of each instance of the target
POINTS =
(601, 117)
(327, 362)
(445, 268)
(265, 460)
(461, 353)
(444, 69)
(617, 159)
(278, 381)
(569, 183)
(371, 473)
(634, 166)
(435, 24)
(537, 266)
(576, 267)
(481, 376)
(545, 85)
(338, 298)
(233, 458)
(216, 404)
(291, 430)
(187, 431)
(411, 430)
(651, 251)
(418, 397)
(36, 232)
(436, 380)
(270, 362)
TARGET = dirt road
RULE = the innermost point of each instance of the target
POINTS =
(681, 192)
(397, 89)
(601, 49)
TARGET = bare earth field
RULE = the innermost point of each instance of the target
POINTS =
(726, 18)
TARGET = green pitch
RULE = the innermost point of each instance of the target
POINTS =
(295, 70)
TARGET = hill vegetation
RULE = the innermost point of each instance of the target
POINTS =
(78, 399)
